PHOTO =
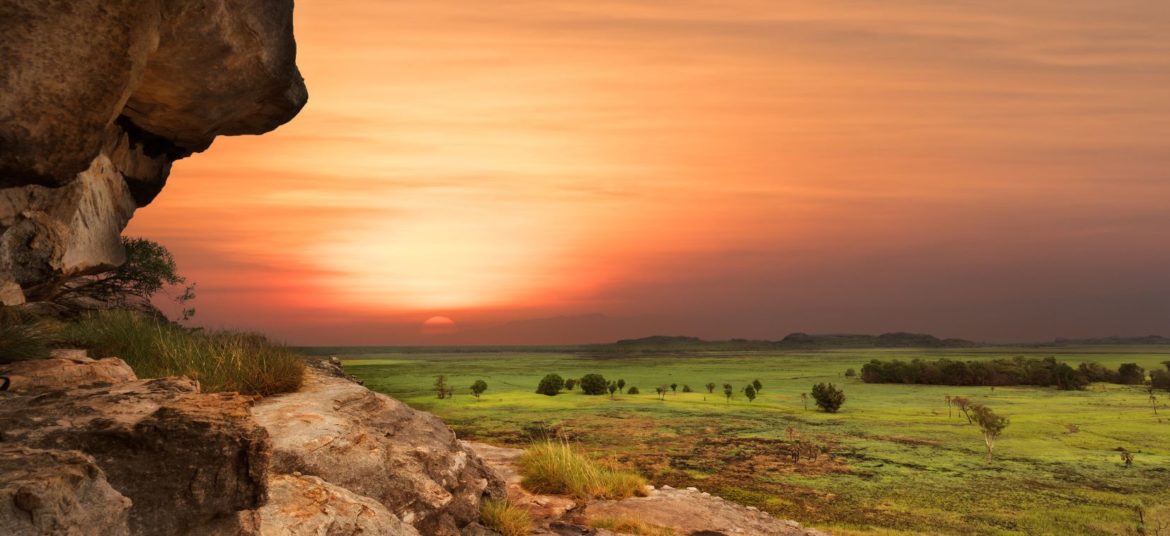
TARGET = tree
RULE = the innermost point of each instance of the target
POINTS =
(632, 390)
(757, 385)
(613, 387)
(710, 387)
(550, 385)
(674, 387)
(948, 401)
(687, 389)
(1126, 456)
(850, 373)
(828, 397)
(1160, 379)
(478, 388)
(148, 270)
(728, 391)
(1154, 401)
(1131, 374)
(594, 384)
(990, 424)
(804, 400)
(750, 393)
(661, 390)
(441, 388)
(570, 383)
(621, 383)
(964, 406)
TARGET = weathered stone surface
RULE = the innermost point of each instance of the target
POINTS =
(691, 512)
(376, 446)
(99, 97)
(185, 459)
(59, 373)
(309, 506)
(57, 492)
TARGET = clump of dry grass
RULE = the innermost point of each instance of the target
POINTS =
(24, 336)
(628, 525)
(555, 467)
(220, 360)
(505, 518)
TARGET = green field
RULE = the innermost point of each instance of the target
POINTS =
(895, 462)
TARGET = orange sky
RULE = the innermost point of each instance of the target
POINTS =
(549, 171)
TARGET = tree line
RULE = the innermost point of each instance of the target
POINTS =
(1045, 372)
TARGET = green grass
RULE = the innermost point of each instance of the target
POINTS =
(895, 463)
(24, 337)
(505, 518)
(555, 467)
(220, 360)
(627, 525)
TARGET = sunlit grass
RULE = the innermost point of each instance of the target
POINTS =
(629, 525)
(556, 467)
(505, 518)
(220, 360)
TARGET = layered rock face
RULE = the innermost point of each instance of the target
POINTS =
(99, 97)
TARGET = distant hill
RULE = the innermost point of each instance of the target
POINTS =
(795, 340)
(1148, 340)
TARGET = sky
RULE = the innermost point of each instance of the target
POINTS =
(556, 171)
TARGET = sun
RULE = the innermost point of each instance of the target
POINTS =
(439, 325)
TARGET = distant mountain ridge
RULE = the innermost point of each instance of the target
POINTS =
(1148, 340)
(804, 340)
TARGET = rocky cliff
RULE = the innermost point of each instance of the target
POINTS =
(99, 97)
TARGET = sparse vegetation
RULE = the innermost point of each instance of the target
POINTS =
(442, 390)
(556, 467)
(24, 336)
(220, 360)
(148, 270)
(629, 525)
(828, 397)
(505, 518)
(990, 424)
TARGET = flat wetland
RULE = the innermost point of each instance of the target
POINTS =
(893, 461)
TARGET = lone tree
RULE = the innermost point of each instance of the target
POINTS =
(1154, 401)
(804, 400)
(632, 390)
(990, 424)
(570, 383)
(850, 373)
(661, 390)
(757, 385)
(710, 387)
(1131, 374)
(674, 387)
(594, 384)
(148, 270)
(478, 388)
(728, 391)
(687, 389)
(750, 393)
(947, 399)
(828, 397)
(964, 406)
(621, 383)
(442, 390)
(1126, 456)
(613, 387)
(550, 385)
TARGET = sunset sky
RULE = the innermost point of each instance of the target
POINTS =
(556, 171)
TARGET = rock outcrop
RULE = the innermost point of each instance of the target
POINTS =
(65, 371)
(57, 492)
(184, 459)
(309, 506)
(378, 447)
(99, 97)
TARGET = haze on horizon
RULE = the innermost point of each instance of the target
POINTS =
(555, 171)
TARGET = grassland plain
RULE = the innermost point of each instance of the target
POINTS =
(899, 463)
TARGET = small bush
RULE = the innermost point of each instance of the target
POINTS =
(555, 467)
(478, 388)
(24, 337)
(570, 383)
(505, 518)
(550, 385)
(850, 373)
(594, 384)
(633, 391)
(687, 389)
(828, 397)
(1160, 379)
(629, 525)
(221, 361)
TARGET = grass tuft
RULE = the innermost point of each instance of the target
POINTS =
(628, 525)
(220, 360)
(505, 518)
(555, 467)
(24, 337)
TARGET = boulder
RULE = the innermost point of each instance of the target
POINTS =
(185, 459)
(309, 506)
(99, 97)
(57, 492)
(59, 373)
(375, 446)
(692, 512)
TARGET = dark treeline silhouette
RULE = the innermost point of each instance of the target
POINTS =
(1045, 372)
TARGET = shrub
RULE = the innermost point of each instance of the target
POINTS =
(220, 360)
(629, 525)
(750, 393)
(632, 391)
(505, 518)
(710, 387)
(687, 389)
(550, 385)
(594, 384)
(1130, 374)
(1160, 379)
(570, 383)
(850, 373)
(828, 397)
(757, 385)
(555, 467)
(24, 337)
(478, 388)
(674, 387)
(621, 383)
